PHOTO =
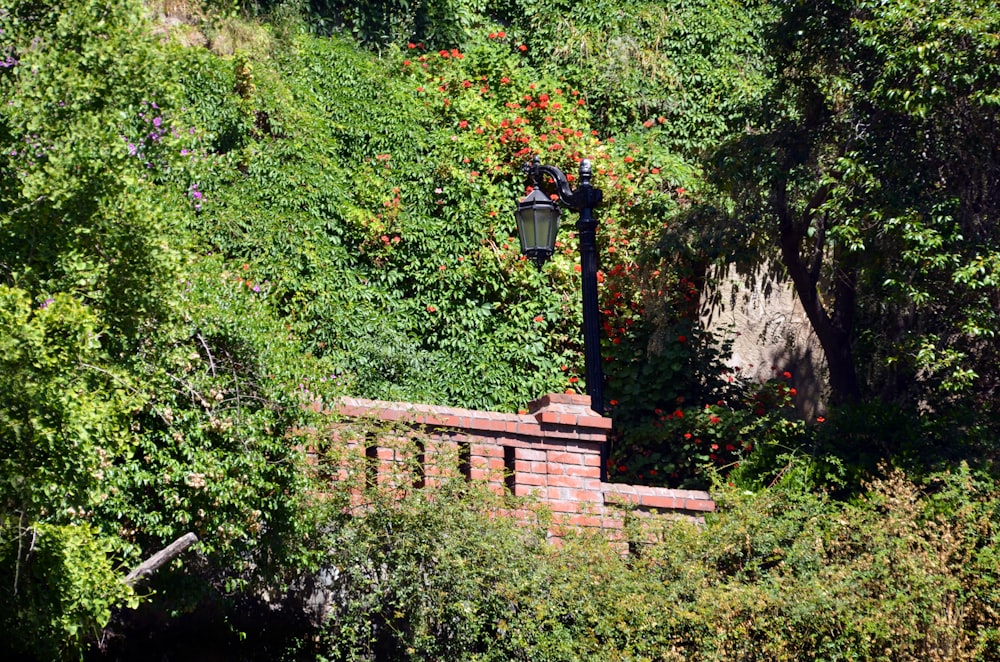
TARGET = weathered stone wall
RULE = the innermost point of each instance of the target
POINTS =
(771, 333)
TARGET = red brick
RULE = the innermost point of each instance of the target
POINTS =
(530, 454)
(488, 450)
(591, 521)
(564, 506)
(488, 424)
(563, 457)
(529, 429)
(591, 496)
(580, 470)
(540, 467)
(660, 501)
(585, 447)
(529, 479)
(701, 505)
(598, 422)
(565, 481)
(525, 490)
(549, 417)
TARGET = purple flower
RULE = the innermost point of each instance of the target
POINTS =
(157, 121)
(45, 304)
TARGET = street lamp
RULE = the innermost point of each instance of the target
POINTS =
(537, 223)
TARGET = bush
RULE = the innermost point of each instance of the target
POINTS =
(902, 573)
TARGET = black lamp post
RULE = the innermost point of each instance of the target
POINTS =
(537, 224)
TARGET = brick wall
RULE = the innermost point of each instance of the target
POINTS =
(553, 451)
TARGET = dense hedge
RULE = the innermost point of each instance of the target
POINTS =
(906, 572)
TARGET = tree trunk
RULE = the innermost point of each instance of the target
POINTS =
(832, 330)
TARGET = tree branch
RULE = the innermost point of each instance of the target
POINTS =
(161, 558)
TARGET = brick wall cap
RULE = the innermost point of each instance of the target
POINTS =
(577, 399)
(574, 408)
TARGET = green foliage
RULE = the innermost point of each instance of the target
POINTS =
(82, 140)
(214, 453)
(687, 66)
(64, 587)
(438, 23)
(901, 573)
(199, 253)
(865, 166)
(124, 361)
(62, 419)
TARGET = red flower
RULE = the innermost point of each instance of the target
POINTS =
(678, 414)
(431, 309)
(786, 375)
(539, 318)
(522, 47)
(820, 419)
(682, 339)
(501, 34)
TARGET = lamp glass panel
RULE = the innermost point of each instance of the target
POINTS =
(552, 230)
(526, 218)
(537, 224)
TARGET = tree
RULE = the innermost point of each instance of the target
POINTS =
(870, 173)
